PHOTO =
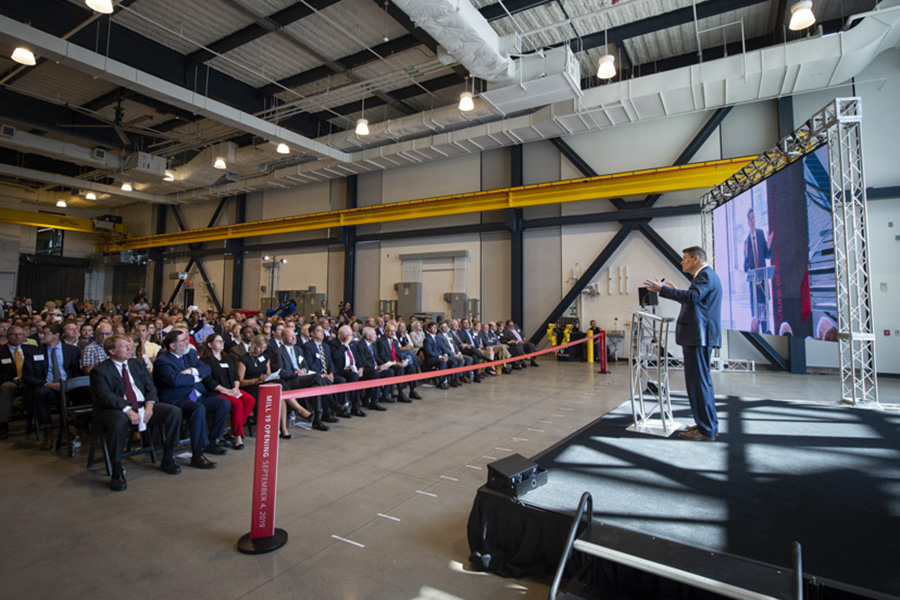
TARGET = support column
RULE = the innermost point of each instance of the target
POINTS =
(517, 240)
(156, 257)
(348, 239)
(236, 247)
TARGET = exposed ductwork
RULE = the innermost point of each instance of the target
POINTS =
(463, 32)
(796, 67)
(800, 66)
(98, 158)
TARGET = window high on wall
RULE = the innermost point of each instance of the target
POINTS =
(49, 242)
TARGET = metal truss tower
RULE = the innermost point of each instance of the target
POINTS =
(838, 124)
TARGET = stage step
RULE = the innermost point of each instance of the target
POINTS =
(718, 572)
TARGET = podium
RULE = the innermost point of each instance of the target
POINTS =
(650, 375)
(760, 280)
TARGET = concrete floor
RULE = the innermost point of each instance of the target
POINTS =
(375, 508)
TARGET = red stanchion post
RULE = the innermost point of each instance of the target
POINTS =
(264, 536)
(601, 343)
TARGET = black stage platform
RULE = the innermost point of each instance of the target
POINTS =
(826, 476)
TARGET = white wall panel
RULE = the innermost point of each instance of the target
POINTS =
(542, 288)
(368, 278)
(495, 276)
(456, 175)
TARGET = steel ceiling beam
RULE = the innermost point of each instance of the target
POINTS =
(667, 20)
(696, 176)
(263, 26)
(59, 17)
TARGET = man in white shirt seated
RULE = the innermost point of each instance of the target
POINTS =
(124, 395)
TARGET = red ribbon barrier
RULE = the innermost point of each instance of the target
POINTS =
(364, 385)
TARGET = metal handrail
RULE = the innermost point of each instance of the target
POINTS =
(798, 572)
(586, 501)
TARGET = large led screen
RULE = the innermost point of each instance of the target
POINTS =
(774, 252)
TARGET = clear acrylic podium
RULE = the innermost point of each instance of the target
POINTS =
(650, 375)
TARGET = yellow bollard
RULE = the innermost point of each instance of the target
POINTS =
(590, 351)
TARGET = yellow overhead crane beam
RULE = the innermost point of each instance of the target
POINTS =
(634, 183)
(37, 219)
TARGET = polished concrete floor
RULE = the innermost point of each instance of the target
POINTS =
(375, 508)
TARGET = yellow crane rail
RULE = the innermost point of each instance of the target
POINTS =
(633, 183)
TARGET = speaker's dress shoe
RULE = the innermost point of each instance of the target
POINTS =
(403, 398)
(357, 412)
(285, 436)
(534, 363)
(329, 419)
(215, 449)
(376, 406)
(117, 483)
(320, 426)
(695, 436)
(170, 467)
(414, 395)
(201, 462)
(344, 413)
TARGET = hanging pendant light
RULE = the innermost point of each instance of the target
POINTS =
(606, 69)
(283, 149)
(61, 203)
(23, 56)
(465, 102)
(801, 15)
(100, 6)
(362, 127)
(126, 187)
(90, 196)
(220, 163)
(169, 176)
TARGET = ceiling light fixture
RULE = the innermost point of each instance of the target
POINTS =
(362, 124)
(61, 203)
(283, 149)
(220, 163)
(90, 196)
(465, 102)
(100, 6)
(126, 187)
(23, 56)
(801, 15)
(169, 176)
(607, 67)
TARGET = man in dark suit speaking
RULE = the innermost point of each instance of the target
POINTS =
(697, 331)
(124, 395)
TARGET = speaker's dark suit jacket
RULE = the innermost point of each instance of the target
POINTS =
(700, 320)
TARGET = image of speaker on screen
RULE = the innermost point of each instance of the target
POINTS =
(757, 251)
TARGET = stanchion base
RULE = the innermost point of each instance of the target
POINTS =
(603, 372)
(655, 427)
(248, 545)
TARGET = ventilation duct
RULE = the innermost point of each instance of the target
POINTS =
(463, 32)
(67, 151)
